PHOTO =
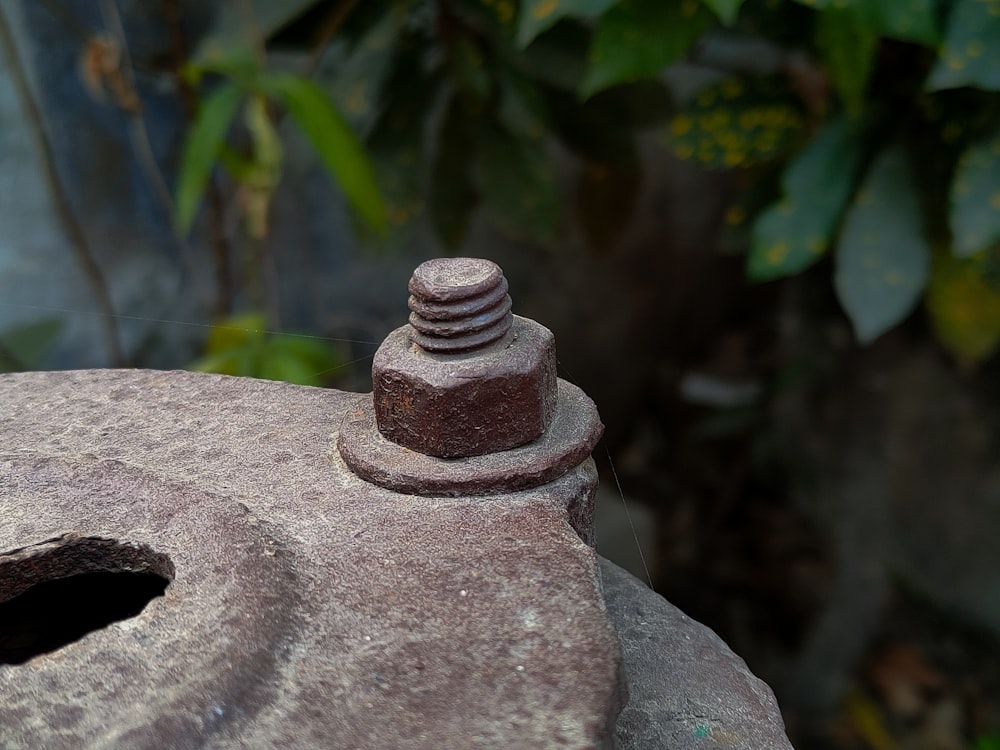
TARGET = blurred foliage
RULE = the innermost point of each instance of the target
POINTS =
(987, 742)
(879, 121)
(244, 81)
(737, 123)
(242, 346)
(25, 347)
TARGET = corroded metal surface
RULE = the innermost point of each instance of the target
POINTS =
(574, 432)
(458, 304)
(307, 607)
(464, 377)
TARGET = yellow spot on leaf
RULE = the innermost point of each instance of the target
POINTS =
(955, 63)
(995, 201)
(544, 9)
(777, 253)
(733, 158)
(714, 120)
(681, 125)
(505, 11)
(866, 719)
(816, 245)
(705, 98)
(975, 48)
(735, 215)
(965, 309)
(731, 88)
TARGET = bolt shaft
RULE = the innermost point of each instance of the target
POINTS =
(458, 305)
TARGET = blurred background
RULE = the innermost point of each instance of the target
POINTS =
(766, 234)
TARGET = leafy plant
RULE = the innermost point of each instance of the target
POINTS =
(245, 82)
(25, 347)
(238, 80)
(914, 111)
(242, 346)
(987, 742)
(878, 122)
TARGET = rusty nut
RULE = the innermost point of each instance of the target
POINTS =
(466, 404)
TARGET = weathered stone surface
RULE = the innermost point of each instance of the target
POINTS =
(308, 608)
(686, 689)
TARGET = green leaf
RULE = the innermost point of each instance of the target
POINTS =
(726, 10)
(975, 198)
(538, 15)
(492, 19)
(235, 332)
(987, 742)
(521, 108)
(468, 68)
(559, 56)
(796, 232)
(244, 23)
(274, 366)
(358, 78)
(240, 64)
(337, 146)
(241, 168)
(737, 122)
(234, 346)
(225, 363)
(264, 174)
(242, 346)
(971, 54)
(848, 48)
(202, 143)
(910, 20)
(883, 258)
(517, 185)
(24, 347)
(297, 359)
(315, 352)
(823, 4)
(268, 153)
(397, 143)
(638, 38)
(964, 308)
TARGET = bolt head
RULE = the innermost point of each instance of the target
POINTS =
(456, 406)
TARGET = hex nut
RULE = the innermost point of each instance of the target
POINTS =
(462, 405)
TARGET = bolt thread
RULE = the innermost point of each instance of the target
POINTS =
(458, 305)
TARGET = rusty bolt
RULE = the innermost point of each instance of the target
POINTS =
(466, 400)
(465, 377)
